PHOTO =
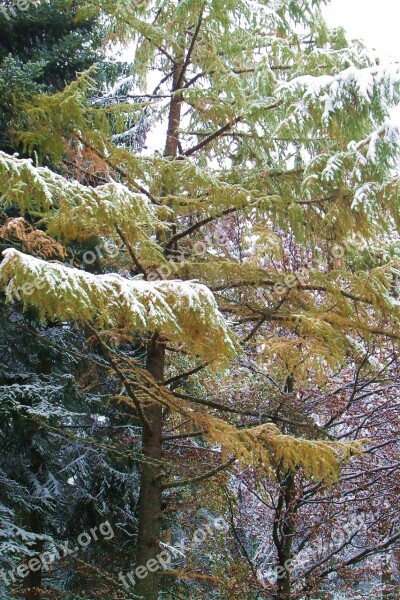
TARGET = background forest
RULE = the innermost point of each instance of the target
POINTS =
(200, 315)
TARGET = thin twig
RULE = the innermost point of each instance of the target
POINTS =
(131, 251)
(200, 478)
(124, 380)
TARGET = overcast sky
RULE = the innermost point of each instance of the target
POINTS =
(375, 21)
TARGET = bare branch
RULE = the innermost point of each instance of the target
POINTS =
(200, 478)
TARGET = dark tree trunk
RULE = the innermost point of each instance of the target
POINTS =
(149, 530)
(150, 485)
(33, 581)
(284, 532)
(285, 524)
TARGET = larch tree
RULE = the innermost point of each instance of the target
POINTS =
(270, 163)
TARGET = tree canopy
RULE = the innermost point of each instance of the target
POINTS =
(201, 250)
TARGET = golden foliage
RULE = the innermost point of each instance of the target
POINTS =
(74, 212)
(33, 241)
(182, 312)
(263, 447)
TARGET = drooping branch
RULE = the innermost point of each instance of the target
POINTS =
(177, 378)
(117, 168)
(182, 436)
(120, 373)
(131, 252)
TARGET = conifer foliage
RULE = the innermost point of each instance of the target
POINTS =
(42, 47)
(256, 257)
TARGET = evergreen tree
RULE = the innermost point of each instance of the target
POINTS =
(42, 48)
(277, 134)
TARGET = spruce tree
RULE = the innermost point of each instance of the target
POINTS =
(42, 48)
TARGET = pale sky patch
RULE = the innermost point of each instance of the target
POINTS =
(376, 22)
